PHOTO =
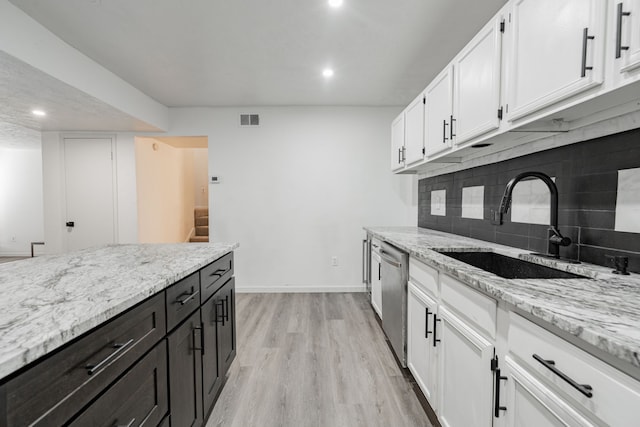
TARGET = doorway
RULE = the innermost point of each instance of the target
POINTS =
(172, 189)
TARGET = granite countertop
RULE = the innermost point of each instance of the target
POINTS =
(48, 301)
(602, 310)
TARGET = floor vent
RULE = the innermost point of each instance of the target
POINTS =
(249, 120)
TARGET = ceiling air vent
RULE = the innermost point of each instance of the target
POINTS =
(249, 120)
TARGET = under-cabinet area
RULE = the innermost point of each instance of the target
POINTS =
(486, 350)
(161, 362)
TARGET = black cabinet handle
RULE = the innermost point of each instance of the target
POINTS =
(451, 134)
(498, 408)
(444, 131)
(193, 331)
(435, 325)
(585, 38)
(225, 308)
(129, 424)
(550, 365)
(619, 47)
(186, 297)
(379, 271)
(426, 322)
(70, 224)
(220, 304)
(119, 348)
(219, 272)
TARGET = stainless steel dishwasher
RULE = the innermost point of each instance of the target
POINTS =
(395, 274)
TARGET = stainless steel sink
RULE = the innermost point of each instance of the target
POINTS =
(510, 268)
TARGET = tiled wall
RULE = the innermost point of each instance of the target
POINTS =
(599, 200)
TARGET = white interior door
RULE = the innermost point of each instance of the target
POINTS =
(89, 192)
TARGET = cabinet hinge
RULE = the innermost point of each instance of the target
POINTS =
(494, 363)
(424, 151)
(424, 100)
(500, 113)
(502, 26)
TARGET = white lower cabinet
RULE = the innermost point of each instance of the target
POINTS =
(421, 351)
(466, 382)
(482, 365)
(530, 404)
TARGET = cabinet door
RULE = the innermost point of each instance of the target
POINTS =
(438, 113)
(376, 283)
(627, 34)
(185, 373)
(557, 51)
(414, 131)
(465, 373)
(477, 84)
(531, 404)
(397, 143)
(226, 326)
(211, 311)
(421, 353)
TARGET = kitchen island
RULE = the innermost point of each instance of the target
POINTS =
(53, 305)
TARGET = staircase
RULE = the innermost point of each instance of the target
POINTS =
(201, 222)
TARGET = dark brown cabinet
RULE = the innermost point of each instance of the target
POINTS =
(185, 373)
(211, 377)
(137, 399)
(226, 325)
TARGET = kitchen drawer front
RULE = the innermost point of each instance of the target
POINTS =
(215, 275)
(53, 390)
(470, 304)
(424, 276)
(615, 396)
(139, 398)
(183, 298)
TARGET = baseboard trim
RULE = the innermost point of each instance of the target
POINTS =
(191, 234)
(12, 254)
(298, 289)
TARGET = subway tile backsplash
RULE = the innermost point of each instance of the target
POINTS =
(599, 200)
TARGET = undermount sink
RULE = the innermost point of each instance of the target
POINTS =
(510, 268)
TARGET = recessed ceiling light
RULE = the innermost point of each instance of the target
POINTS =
(335, 3)
(327, 72)
(38, 113)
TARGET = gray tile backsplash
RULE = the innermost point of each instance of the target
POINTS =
(593, 177)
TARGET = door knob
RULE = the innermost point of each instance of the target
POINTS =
(71, 224)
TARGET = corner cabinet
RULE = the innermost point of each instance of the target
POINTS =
(557, 50)
(161, 362)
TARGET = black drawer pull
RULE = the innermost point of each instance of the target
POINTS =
(92, 369)
(193, 331)
(426, 322)
(186, 297)
(585, 39)
(225, 308)
(220, 304)
(550, 364)
(435, 324)
(219, 272)
(129, 424)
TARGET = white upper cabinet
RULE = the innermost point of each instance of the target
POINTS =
(556, 51)
(438, 113)
(626, 28)
(397, 143)
(477, 83)
(414, 131)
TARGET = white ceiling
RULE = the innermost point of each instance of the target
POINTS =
(259, 52)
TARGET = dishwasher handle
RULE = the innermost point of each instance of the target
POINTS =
(385, 256)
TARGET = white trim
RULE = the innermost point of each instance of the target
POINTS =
(14, 254)
(190, 235)
(298, 289)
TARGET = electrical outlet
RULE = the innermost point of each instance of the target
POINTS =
(334, 261)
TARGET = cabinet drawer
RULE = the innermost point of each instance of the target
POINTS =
(215, 275)
(55, 388)
(615, 396)
(138, 399)
(182, 299)
(423, 275)
(470, 304)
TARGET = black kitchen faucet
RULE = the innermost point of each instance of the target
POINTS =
(555, 238)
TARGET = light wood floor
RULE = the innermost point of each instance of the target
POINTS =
(313, 360)
(4, 259)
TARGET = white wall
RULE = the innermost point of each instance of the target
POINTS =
(201, 176)
(298, 189)
(21, 212)
(53, 189)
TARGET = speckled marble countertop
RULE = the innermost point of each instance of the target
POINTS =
(48, 301)
(603, 311)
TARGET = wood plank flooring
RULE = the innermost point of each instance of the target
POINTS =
(313, 360)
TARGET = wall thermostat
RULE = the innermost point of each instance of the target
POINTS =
(215, 180)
